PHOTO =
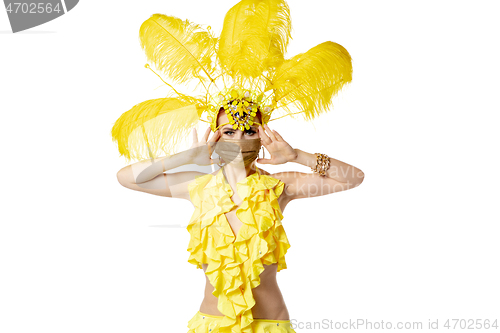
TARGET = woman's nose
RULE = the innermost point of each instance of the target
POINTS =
(239, 134)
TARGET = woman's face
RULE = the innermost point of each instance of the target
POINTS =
(227, 131)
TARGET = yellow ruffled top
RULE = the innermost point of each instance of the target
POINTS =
(236, 261)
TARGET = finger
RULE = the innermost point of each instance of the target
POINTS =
(265, 145)
(264, 160)
(213, 141)
(271, 134)
(205, 137)
(263, 137)
(278, 136)
(215, 137)
(195, 136)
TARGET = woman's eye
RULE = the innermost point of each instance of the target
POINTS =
(250, 132)
(228, 132)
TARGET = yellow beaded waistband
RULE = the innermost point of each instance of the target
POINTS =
(268, 320)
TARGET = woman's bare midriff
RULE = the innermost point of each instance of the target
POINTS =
(269, 302)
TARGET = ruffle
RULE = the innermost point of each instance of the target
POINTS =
(235, 263)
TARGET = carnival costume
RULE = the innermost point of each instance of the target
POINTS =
(242, 72)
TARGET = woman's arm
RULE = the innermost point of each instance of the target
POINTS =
(148, 176)
(339, 171)
(339, 177)
(146, 170)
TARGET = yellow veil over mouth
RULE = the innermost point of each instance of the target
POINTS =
(241, 71)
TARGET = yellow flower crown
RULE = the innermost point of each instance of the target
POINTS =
(242, 71)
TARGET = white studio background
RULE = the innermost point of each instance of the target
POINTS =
(417, 241)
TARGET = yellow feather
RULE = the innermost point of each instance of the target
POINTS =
(155, 127)
(309, 80)
(272, 18)
(254, 37)
(180, 49)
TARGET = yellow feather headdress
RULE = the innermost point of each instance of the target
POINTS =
(242, 71)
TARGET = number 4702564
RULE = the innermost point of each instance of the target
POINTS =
(32, 8)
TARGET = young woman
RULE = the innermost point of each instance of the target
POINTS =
(256, 227)
(242, 81)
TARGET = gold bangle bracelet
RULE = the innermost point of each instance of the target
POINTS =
(322, 164)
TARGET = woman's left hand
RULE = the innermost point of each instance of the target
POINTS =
(281, 152)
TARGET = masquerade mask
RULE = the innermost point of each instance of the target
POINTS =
(230, 149)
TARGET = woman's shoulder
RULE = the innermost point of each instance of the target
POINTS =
(276, 176)
(279, 182)
(286, 178)
(282, 176)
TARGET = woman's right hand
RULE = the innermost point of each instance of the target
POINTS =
(201, 151)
